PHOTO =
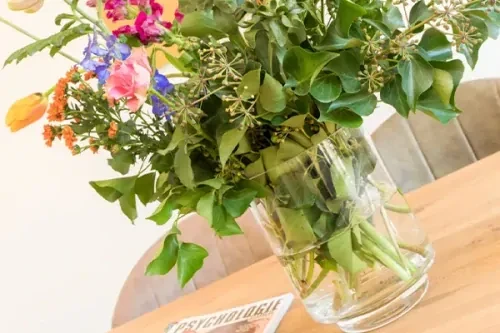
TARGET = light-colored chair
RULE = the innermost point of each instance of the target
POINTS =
(419, 150)
(142, 294)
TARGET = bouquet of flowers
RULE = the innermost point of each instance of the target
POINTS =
(260, 83)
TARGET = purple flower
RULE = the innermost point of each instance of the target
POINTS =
(164, 87)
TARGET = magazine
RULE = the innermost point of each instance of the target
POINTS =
(259, 317)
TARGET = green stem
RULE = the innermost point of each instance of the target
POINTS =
(310, 272)
(398, 208)
(92, 20)
(316, 283)
(413, 248)
(424, 22)
(28, 34)
(387, 260)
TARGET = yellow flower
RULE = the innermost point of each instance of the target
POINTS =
(26, 111)
(29, 6)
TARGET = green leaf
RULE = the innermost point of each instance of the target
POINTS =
(228, 143)
(165, 261)
(200, 24)
(58, 40)
(237, 202)
(297, 33)
(346, 66)
(112, 189)
(379, 26)
(249, 85)
(279, 32)
(121, 161)
(456, 69)
(340, 248)
(59, 18)
(189, 261)
(183, 168)
(417, 77)
(347, 13)
(177, 137)
(272, 96)
(326, 88)
(431, 104)
(393, 18)
(393, 94)
(162, 163)
(176, 62)
(188, 6)
(295, 121)
(205, 206)
(420, 12)
(343, 117)
(443, 85)
(298, 232)
(163, 212)
(362, 103)
(128, 205)
(471, 52)
(256, 171)
(303, 66)
(145, 187)
(436, 46)
(214, 183)
(223, 223)
(270, 162)
(289, 149)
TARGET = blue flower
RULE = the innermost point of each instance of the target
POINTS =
(164, 87)
(113, 51)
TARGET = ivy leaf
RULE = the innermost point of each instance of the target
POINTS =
(215, 183)
(166, 259)
(333, 41)
(237, 202)
(341, 250)
(436, 46)
(279, 32)
(303, 66)
(297, 32)
(343, 117)
(420, 12)
(288, 150)
(295, 121)
(362, 103)
(249, 85)
(58, 40)
(113, 189)
(379, 26)
(200, 24)
(430, 103)
(471, 52)
(189, 260)
(205, 207)
(121, 161)
(145, 187)
(272, 96)
(347, 13)
(393, 94)
(228, 143)
(256, 171)
(163, 212)
(393, 19)
(326, 88)
(188, 6)
(223, 223)
(346, 66)
(177, 138)
(298, 232)
(183, 168)
(417, 77)
(456, 69)
(128, 205)
(162, 163)
(443, 85)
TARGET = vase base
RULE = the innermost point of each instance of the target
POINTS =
(389, 312)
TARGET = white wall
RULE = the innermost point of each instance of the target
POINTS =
(65, 252)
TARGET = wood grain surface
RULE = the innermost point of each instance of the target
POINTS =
(461, 214)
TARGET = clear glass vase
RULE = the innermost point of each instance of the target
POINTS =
(345, 235)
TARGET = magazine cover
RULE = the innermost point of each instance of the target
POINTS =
(259, 317)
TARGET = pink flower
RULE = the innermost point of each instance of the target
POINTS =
(130, 79)
(92, 3)
(156, 8)
(178, 16)
(125, 30)
(116, 9)
(146, 27)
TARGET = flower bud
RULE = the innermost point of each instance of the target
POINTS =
(26, 111)
(28, 6)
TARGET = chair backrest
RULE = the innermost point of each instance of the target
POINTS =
(142, 294)
(419, 150)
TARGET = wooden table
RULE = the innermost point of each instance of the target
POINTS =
(461, 214)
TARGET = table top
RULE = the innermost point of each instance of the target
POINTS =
(460, 213)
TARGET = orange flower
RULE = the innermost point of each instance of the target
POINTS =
(59, 102)
(113, 130)
(48, 135)
(26, 111)
(93, 146)
(69, 137)
(88, 76)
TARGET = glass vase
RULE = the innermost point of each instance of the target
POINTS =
(344, 234)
